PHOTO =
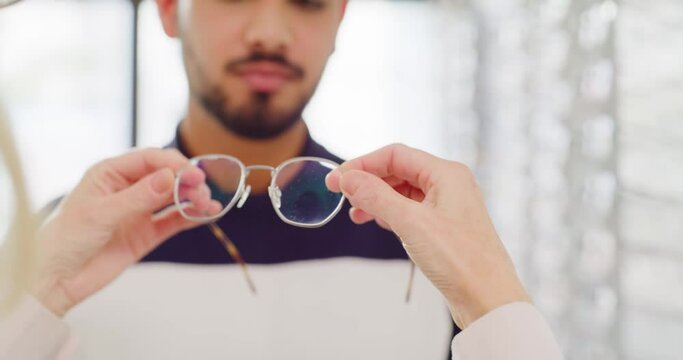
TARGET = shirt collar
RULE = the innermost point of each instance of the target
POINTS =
(311, 147)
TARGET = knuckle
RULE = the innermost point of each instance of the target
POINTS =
(461, 171)
(143, 151)
(177, 157)
(98, 168)
(365, 197)
(397, 146)
(175, 152)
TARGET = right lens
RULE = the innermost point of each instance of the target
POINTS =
(203, 200)
(302, 196)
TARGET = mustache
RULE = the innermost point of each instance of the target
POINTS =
(235, 65)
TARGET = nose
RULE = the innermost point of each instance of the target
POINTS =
(269, 29)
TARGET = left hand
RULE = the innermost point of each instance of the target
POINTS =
(107, 223)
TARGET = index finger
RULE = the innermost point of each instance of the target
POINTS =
(414, 166)
(137, 164)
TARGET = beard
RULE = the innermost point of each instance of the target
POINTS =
(254, 120)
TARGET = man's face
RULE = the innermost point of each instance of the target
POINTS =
(254, 64)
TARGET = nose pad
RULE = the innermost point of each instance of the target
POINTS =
(275, 195)
(244, 197)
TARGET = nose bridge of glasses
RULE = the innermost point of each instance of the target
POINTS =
(259, 167)
(247, 190)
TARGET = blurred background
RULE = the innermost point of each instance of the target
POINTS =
(570, 113)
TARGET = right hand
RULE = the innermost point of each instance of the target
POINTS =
(437, 210)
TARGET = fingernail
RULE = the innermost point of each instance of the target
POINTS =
(162, 181)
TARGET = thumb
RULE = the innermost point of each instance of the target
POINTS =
(150, 194)
(374, 196)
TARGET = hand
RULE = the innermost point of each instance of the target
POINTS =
(107, 224)
(436, 209)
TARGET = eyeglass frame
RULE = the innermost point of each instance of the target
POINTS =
(243, 191)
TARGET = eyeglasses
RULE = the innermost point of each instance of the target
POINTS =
(297, 192)
(297, 189)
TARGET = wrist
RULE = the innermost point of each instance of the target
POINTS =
(471, 306)
(53, 297)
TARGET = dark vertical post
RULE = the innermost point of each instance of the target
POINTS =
(134, 80)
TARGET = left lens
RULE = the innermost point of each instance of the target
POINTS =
(302, 196)
(208, 187)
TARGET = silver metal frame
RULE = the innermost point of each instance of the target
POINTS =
(242, 193)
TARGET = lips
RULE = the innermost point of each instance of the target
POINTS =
(265, 77)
